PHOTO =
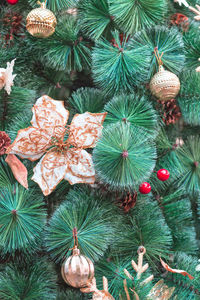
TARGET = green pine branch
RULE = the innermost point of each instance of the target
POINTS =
(54, 5)
(177, 211)
(134, 110)
(167, 41)
(123, 157)
(70, 294)
(119, 65)
(6, 176)
(11, 105)
(35, 279)
(192, 46)
(88, 99)
(114, 267)
(188, 98)
(92, 219)
(22, 219)
(95, 19)
(65, 49)
(114, 270)
(185, 288)
(183, 164)
(132, 15)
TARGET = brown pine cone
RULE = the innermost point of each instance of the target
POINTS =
(5, 142)
(128, 201)
(13, 23)
(169, 110)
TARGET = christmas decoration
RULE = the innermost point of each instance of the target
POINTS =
(160, 291)
(139, 268)
(197, 269)
(128, 201)
(164, 85)
(63, 159)
(6, 77)
(41, 22)
(72, 11)
(177, 19)
(18, 169)
(180, 20)
(180, 2)
(13, 25)
(182, 272)
(12, 2)
(163, 174)
(145, 188)
(169, 110)
(198, 68)
(77, 270)
(5, 141)
(196, 11)
(97, 294)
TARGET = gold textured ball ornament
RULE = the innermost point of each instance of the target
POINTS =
(41, 22)
(164, 85)
(77, 270)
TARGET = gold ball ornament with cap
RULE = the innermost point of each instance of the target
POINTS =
(164, 85)
(77, 270)
(41, 22)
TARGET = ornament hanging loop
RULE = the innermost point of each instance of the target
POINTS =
(158, 56)
(75, 237)
(42, 4)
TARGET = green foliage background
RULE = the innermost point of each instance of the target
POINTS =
(101, 59)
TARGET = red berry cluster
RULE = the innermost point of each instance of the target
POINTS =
(162, 175)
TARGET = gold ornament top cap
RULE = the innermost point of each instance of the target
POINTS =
(76, 251)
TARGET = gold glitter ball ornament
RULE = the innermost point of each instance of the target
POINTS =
(164, 85)
(41, 22)
(77, 270)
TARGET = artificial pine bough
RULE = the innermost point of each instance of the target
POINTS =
(129, 154)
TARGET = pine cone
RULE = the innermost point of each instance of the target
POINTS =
(5, 142)
(12, 22)
(128, 201)
(169, 110)
(181, 20)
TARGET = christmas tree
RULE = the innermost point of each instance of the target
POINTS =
(99, 149)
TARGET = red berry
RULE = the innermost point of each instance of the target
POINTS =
(12, 2)
(145, 188)
(163, 174)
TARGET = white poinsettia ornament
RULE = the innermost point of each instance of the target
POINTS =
(7, 77)
(60, 146)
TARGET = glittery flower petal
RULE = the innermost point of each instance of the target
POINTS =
(49, 113)
(80, 168)
(50, 171)
(85, 129)
(30, 143)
